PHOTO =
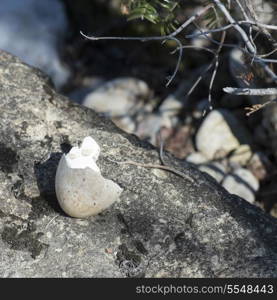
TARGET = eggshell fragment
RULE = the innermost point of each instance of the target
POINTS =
(80, 188)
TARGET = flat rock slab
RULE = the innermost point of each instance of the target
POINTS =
(164, 225)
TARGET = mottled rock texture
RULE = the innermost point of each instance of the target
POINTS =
(163, 226)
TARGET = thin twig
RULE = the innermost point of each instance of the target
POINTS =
(242, 33)
(248, 43)
(268, 54)
(156, 166)
(216, 58)
(254, 55)
(242, 10)
(229, 26)
(200, 77)
(250, 92)
(256, 107)
(146, 39)
(197, 48)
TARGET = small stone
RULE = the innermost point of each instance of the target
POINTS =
(169, 110)
(149, 127)
(126, 123)
(220, 131)
(242, 183)
(196, 158)
(241, 155)
(119, 97)
(170, 107)
(258, 165)
(214, 169)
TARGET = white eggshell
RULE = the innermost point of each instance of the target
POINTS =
(80, 188)
(89, 147)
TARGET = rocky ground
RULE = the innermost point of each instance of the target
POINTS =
(236, 149)
(163, 226)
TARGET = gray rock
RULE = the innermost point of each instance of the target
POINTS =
(242, 183)
(220, 132)
(33, 30)
(164, 226)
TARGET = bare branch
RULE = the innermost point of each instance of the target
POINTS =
(250, 92)
(215, 68)
(145, 39)
(170, 36)
(248, 13)
(242, 33)
(223, 28)
(250, 46)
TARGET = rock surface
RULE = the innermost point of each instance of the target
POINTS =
(164, 226)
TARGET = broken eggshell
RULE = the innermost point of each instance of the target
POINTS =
(80, 188)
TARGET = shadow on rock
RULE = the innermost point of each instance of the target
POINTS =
(45, 173)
